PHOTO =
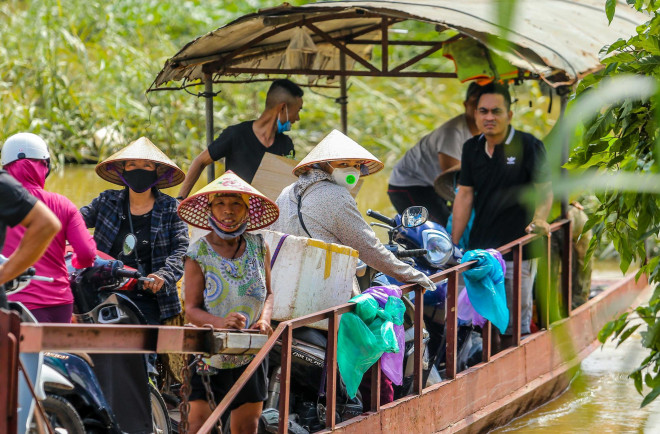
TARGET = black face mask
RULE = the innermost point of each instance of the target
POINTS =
(140, 180)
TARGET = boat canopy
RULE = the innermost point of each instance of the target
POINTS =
(557, 41)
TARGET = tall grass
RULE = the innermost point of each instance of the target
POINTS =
(70, 68)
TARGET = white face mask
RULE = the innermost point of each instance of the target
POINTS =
(346, 176)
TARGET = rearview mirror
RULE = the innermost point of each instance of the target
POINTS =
(414, 216)
(129, 244)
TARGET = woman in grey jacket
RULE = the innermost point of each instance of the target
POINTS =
(327, 210)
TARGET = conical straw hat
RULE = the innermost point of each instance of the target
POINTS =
(445, 184)
(195, 209)
(141, 149)
(338, 146)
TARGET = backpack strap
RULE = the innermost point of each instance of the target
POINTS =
(302, 223)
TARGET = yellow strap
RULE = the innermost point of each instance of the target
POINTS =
(329, 249)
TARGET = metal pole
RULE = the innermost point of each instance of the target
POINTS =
(563, 95)
(418, 376)
(285, 381)
(451, 324)
(208, 97)
(343, 99)
(515, 304)
(331, 380)
(10, 331)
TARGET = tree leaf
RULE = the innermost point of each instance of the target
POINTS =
(637, 379)
(606, 332)
(610, 7)
(651, 396)
(625, 335)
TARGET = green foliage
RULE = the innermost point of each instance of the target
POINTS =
(70, 69)
(624, 137)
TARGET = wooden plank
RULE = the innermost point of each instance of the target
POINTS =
(274, 173)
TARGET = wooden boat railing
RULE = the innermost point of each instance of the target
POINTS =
(15, 337)
(285, 329)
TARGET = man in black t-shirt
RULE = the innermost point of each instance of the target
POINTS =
(496, 167)
(18, 206)
(244, 145)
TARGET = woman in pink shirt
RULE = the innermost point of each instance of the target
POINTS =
(25, 156)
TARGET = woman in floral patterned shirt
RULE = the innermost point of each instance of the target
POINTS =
(227, 275)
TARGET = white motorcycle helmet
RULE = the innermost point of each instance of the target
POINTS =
(25, 145)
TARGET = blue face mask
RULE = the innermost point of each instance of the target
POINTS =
(286, 126)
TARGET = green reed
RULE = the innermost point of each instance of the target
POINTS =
(70, 68)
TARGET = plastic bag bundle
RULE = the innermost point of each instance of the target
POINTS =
(364, 335)
(391, 364)
(301, 52)
(465, 311)
(485, 287)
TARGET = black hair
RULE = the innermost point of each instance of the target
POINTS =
(473, 89)
(282, 91)
(289, 86)
(499, 89)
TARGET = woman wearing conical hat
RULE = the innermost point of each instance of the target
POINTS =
(227, 276)
(141, 212)
(321, 201)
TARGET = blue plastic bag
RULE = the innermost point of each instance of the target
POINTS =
(485, 287)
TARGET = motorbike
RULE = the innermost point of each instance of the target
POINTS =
(33, 369)
(99, 298)
(307, 389)
(433, 251)
(66, 388)
(67, 384)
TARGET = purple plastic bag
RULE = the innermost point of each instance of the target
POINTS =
(497, 255)
(390, 363)
(466, 312)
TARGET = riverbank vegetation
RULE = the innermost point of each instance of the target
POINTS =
(622, 140)
(76, 72)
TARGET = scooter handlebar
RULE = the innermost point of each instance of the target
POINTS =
(382, 218)
(131, 274)
(412, 253)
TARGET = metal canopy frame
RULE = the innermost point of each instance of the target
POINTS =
(222, 65)
(254, 37)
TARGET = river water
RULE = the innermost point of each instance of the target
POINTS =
(81, 184)
(601, 398)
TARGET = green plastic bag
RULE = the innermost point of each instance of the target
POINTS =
(364, 335)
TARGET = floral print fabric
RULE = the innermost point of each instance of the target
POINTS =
(232, 285)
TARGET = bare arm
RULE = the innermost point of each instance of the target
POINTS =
(446, 162)
(195, 312)
(263, 323)
(41, 226)
(195, 170)
(461, 211)
(80, 239)
(539, 222)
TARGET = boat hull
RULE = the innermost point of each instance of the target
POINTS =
(513, 382)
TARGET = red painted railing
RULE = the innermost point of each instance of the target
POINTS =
(284, 331)
(146, 339)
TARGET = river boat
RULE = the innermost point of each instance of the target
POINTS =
(554, 41)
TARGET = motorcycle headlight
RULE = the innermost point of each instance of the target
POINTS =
(439, 246)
